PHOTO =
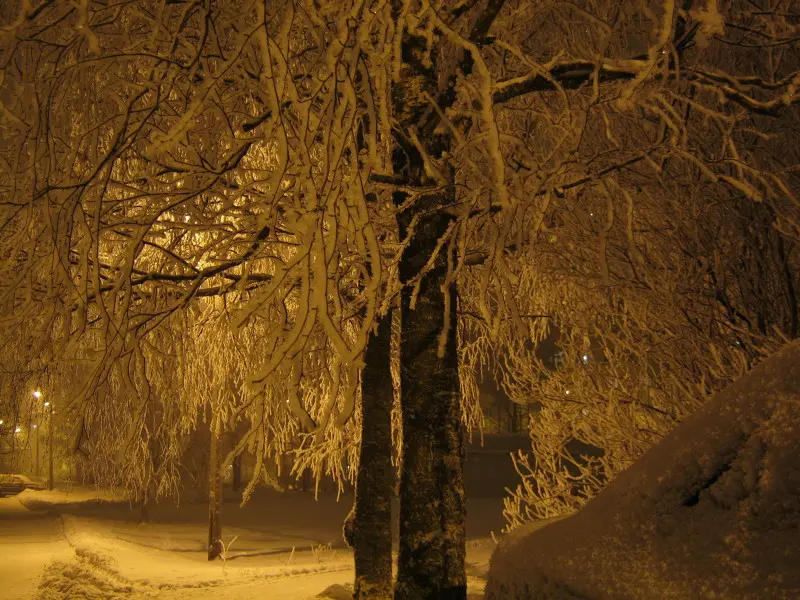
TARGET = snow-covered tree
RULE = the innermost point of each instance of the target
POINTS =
(656, 247)
(309, 162)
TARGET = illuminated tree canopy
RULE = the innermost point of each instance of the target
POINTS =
(239, 192)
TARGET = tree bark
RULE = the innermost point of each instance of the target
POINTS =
(432, 552)
(371, 534)
(214, 498)
(432, 546)
(431, 561)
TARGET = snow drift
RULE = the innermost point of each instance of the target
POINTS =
(712, 511)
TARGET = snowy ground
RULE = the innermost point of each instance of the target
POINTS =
(58, 545)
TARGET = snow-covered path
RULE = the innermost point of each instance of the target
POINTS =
(28, 542)
(287, 547)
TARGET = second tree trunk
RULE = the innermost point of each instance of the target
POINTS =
(371, 535)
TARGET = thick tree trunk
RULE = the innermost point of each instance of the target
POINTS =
(431, 561)
(214, 499)
(432, 547)
(371, 533)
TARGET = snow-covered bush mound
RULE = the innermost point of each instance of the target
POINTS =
(712, 511)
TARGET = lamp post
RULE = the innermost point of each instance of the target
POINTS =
(37, 394)
(36, 465)
(50, 446)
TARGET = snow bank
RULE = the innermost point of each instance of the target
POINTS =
(60, 498)
(77, 579)
(713, 511)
